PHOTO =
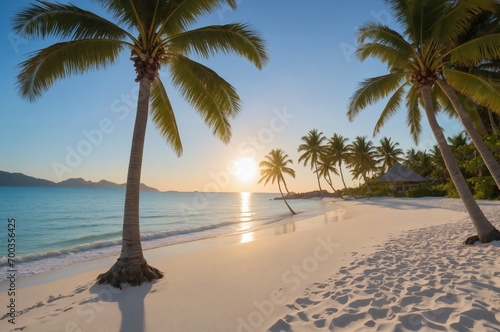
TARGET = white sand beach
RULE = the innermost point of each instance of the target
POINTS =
(371, 265)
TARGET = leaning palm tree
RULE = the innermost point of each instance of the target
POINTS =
(326, 166)
(272, 169)
(312, 148)
(156, 33)
(417, 59)
(388, 154)
(475, 79)
(362, 159)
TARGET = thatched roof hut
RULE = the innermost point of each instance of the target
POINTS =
(401, 179)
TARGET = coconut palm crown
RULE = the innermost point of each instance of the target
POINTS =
(422, 62)
(312, 149)
(388, 154)
(156, 34)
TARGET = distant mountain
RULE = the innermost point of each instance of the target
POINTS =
(21, 180)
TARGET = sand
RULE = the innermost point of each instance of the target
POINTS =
(371, 265)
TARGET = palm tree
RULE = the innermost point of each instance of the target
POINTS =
(326, 166)
(476, 80)
(362, 159)
(272, 169)
(417, 59)
(156, 33)
(312, 148)
(339, 149)
(388, 154)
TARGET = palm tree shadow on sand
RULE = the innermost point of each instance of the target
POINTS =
(130, 302)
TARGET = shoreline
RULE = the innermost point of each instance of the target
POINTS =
(34, 263)
(267, 230)
(278, 282)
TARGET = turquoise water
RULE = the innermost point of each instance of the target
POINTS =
(61, 226)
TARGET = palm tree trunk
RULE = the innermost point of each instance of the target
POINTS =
(317, 177)
(494, 128)
(486, 232)
(330, 182)
(286, 187)
(492, 165)
(284, 199)
(343, 181)
(131, 267)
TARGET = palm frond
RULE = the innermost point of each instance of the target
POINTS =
(477, 50)
(212, 97)
(372, 90)
(478, 89)
(46, 19)
(458, 19)
(163, 116)
(414, 116)
(210, 40)
(390, 109)
(404, 9)
(386, 54)
(289, 171)
(60, 60)
(180, 14)
(384, 43)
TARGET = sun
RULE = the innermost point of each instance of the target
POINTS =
(245, 169)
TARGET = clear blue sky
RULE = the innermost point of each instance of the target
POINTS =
(307, 83)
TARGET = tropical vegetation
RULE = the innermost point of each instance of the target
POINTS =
(424, 62)
(158, 35)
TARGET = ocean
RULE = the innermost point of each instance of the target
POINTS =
(57, 227)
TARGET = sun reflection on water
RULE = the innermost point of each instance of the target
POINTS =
(245, 208)
(245, 219)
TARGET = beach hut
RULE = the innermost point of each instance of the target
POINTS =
(401, 179)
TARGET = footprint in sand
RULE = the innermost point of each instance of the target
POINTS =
(360, 303)
(345, 319)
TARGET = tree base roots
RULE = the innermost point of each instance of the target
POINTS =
(127, 271)
(494, 235)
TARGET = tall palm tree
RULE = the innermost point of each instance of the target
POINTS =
(362, 159)
(388, 154)
(312, 148)
(326, 166)
(473, 77)
(272, 169)
(416, 59)
(339, 149)
(157, 34)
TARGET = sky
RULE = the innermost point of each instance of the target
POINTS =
(82, 126)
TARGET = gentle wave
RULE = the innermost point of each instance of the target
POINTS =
(99, 244)
(67, 226)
